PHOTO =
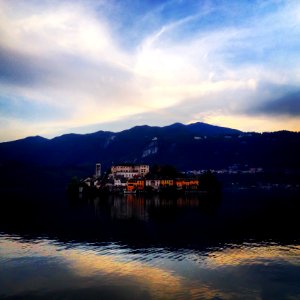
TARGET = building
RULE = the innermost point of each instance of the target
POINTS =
(89, 181)
(130, 171)
(127, 175)
(153, 183)
(120, 182)
(187, 184)
(166, 182)
(98, 170)
(136, 184)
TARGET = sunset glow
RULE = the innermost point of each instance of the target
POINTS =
(82, 66)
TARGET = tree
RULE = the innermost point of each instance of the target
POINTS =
(209, 182)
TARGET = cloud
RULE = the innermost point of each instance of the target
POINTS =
(105, 62)
(16, 68)
(288, 104)
(65, 58)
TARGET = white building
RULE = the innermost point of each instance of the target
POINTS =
(127, 175)
(129, 171)
(88, 181)
(120, 183)
(154, 183)
(98, 170)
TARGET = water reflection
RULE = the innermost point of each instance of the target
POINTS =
(184, 221)
(138, 247)
(140, 207)
(52, 269)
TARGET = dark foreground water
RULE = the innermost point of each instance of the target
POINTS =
(244, 245)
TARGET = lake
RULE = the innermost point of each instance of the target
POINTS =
(243, 245)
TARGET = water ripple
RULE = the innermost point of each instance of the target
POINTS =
(233, 270)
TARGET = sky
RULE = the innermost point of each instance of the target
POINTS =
(83, 66)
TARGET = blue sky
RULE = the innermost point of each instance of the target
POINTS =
(83, 66)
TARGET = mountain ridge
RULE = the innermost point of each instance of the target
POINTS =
(217, 129)
(117, 132)
(192, 146)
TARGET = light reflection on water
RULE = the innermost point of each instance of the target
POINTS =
(140, 247)
(132, 206)
(50, 268)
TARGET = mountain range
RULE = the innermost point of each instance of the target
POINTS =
(187, 147)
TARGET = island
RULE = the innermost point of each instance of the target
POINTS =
(128, 178)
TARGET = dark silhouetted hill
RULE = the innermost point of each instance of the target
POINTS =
(187, 147)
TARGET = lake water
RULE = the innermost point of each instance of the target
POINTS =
(243, 246)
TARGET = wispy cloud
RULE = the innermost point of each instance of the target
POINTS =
(79, 63)
(288, 105)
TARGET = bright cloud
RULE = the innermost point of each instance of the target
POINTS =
(67, 65)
